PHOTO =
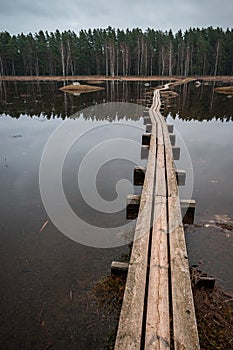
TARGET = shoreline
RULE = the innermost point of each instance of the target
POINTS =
(227, 79)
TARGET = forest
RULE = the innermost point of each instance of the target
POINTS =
(114, 52)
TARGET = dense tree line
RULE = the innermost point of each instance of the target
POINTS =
(114, 52)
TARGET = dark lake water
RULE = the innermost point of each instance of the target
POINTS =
(47, 278)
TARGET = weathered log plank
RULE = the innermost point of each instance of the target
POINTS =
(184, 320)
(158, 321)
(158, 270)
(130, 326)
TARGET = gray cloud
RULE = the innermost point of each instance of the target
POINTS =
(30, 16)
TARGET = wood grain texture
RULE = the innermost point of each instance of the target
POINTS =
(131, 318)
(159, 239)
(183, 313)
(157, 320)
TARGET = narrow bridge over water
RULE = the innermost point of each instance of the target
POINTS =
(158, 309)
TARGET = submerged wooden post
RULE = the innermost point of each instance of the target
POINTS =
(176, 152)
(139, 175)
(146, 113)
(170, 128)
(144, 152)
(172, 139)
(146, 139)
(132, 206)
(188, 210)
(148, 128)
(180, 177)
(119, 268)
(146, 120)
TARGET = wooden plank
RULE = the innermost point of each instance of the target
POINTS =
(172, 187)
(131, 317)
(158, 321)
(130, 328)
(183, 313)
(184, 320)
(160, 186)
(163, 202)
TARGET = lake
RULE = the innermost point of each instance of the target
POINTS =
(51, 260)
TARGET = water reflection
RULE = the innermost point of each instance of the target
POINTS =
(47, 279)
(45, 99)
(200, 103)
(203, 119)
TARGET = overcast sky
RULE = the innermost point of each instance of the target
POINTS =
(26, 16)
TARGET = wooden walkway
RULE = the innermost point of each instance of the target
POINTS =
(158, 310)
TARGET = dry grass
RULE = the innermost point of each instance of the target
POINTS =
(214, 311)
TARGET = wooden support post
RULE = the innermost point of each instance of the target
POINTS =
(170, 128)
(188, 210)
(146, 113)
(119, 268)
(139, 175)
(146, 139)
(146, 120)
(149, 128)
(180, 177)
(206, 282)
(176, 152)
(144, 152)
(132, 206)
(172, 139)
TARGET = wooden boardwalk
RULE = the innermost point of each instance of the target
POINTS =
(158, 310)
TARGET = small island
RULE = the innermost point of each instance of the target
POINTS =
(76, 87)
